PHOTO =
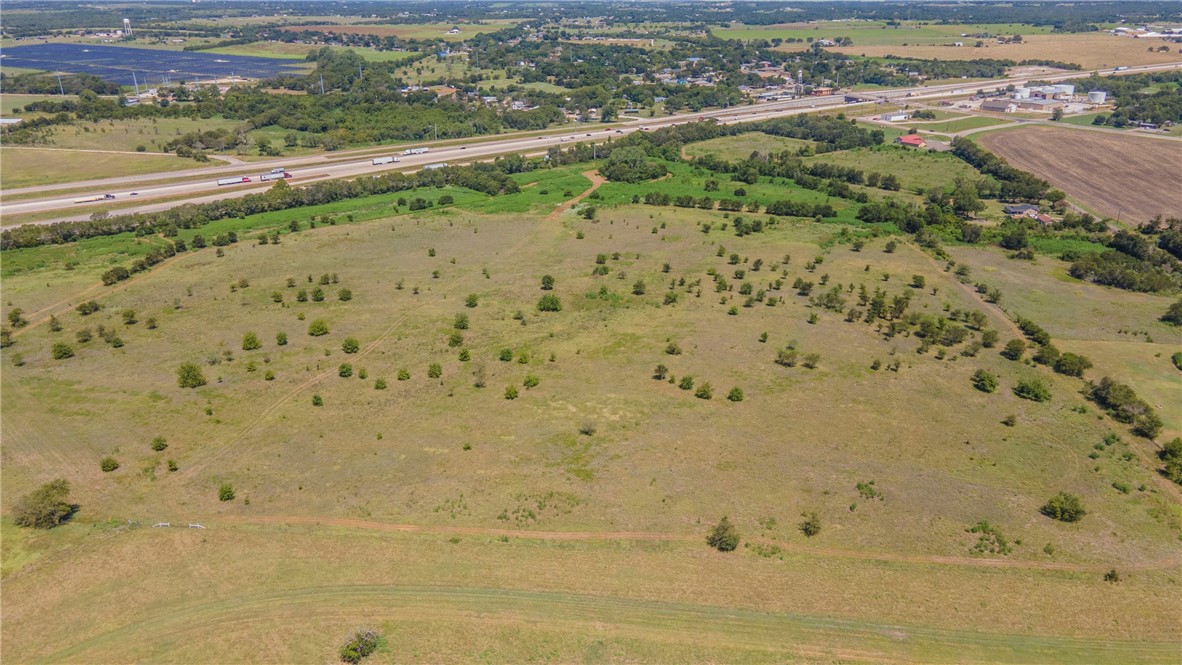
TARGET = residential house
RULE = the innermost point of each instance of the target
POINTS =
(912, 140)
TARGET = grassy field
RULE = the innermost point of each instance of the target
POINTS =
(1089, 50)
(568, 524)
(126, 135)
(734, 148)
(300, 51)
(10, 102)
(428, 31)
(874, 33)
(1113, 174)
(915, 169)
(25, 167)
(955, 125)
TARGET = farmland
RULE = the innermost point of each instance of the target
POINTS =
(598, 479)
(1089, 50)
(25, 167)
(873, 33)
(1115, 175)
(411, 30)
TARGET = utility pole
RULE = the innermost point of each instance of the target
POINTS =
(322, 84)
(60, 89)
(435, 126)
(135, 82)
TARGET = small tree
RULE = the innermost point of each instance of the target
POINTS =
(510, 392)
(549, 303)
(61, 351)
(250, 342)
(984, 381)
(811, 525)
(159, 444)
(704, 391)
(345, 370)
(471, 300)
(345, 295)
(189, 375)
(350, 345)
(461, 322)
(638, 288)
(281, 338)
(226, 492)
(547, 283)
(724, 537)
(108, 464)
(318, 328)
(434, 370)
(1033, 389)
(735, 395)
(660, 372)
(1014, 349)
(1064, 507)
(45, 507)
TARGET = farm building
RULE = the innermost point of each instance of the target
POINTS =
(897, 116)
(913, 140)
(999, 105)
(1020, 209)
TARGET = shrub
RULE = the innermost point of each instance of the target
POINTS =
(226, 492)
(704, 391)
(587, 429)
(108, 464)
(461, 322)
(159, 444)
(318, 294)
(88, 308)
(379, 384)
(660, 372)
(318, 328)
(510, 392)
(281, 338)
(434, 371)
(723, 537)
(1064, 507)
(317, 400)
(471, 300)
(549, 303)
(45, 507)
(1171, 454)
(403, 375)
(984, 381)
(345, 370)
(547, 283)
(61, 351)
(811, 525)
(189, 375)
(1173, 315)
(638, 288)
(505, 355)
(1072, 364)
(250, 342)
(83, 336)
(129, 317)
(687, 382)
(350, 345)
(1033, 389)
(455, 339)
(735, 395)
(363, 643)
(1014, 349)
(345, 295)
(673, 349)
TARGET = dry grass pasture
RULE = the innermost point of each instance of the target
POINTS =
(1088, 50)
(413, 30)
(567, 524)
(1131, 177)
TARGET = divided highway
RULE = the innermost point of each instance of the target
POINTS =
(200, 185)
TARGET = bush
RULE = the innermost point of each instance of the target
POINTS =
(345, 295)
(108, 464)
(281, 338)
(250, 342)
(61, 351)
(723, 537)
(547, 283)
(1072, 364)
(380, 384)
(1171, 454)
(471, 300)
(45, 507)
(318, 328)
(461, 322)
(811, 525)
(317, 400)
(531, 381)
(549, 303)
(1014, 349)
(189, 375)
(984, 381)
(687, 382)
(704, 391)
(434, 371)
(510, 392)
(1033, 389)
(350, 345)
(1064, 507)
(226, 492)
(345, 370)
(735, 395)
(159, 444)
(1173, 315)
(403, 375)
(362, 644)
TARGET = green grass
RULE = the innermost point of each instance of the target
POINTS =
(25, 167)
(11, 101)
(734, 148)
(974, 122)
(126, 135)
(915, 169)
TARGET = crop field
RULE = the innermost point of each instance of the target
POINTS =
(26, 167)
(1118, 176)
(733, 148)
(426, 31)
(520, 487)
(874, 33)
(1089, 50)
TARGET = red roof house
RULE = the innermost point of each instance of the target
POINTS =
(913, 140)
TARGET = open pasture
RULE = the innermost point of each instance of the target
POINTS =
(423, 31)
(444, 435)
(1088, 50)
(1126, 177)
(26, 167)
(873, 33)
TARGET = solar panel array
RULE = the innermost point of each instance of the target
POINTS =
(150, 66)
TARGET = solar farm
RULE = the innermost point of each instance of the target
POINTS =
(128, 66)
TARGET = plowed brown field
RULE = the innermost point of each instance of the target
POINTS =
(1131, 177)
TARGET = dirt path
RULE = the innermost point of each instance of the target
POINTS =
(972, 562)
(596, 181)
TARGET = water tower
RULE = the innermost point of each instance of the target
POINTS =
(126, 27)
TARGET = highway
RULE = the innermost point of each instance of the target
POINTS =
(200, 185)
